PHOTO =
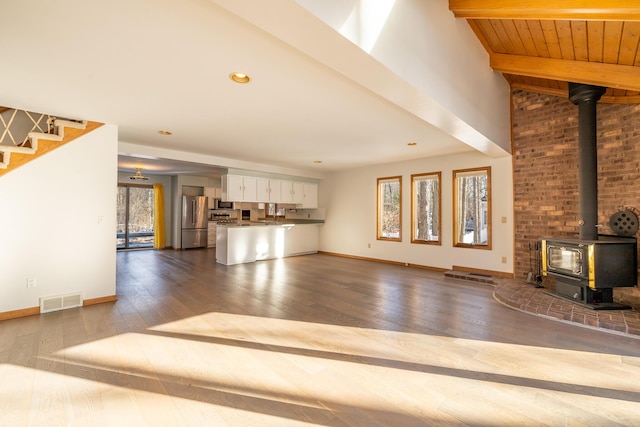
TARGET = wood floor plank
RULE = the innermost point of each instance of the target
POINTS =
(309, 340)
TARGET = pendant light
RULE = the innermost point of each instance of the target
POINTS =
(138, 175)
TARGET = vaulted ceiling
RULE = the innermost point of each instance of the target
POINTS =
(541, 45)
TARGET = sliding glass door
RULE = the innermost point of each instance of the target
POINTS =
(135, 216)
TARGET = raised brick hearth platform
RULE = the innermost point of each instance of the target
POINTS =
(525, 297)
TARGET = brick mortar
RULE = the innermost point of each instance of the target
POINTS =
(545, 162)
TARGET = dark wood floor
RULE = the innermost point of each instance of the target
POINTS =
(311, 340)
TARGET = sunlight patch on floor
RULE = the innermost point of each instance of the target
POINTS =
(248, 367)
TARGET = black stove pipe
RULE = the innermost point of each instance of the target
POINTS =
(586, 97)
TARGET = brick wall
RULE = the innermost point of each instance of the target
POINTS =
(545, 161)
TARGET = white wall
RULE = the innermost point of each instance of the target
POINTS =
(436, 53)
(57, 223)
(350, 225)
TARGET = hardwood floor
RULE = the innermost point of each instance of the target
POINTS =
(311, 340)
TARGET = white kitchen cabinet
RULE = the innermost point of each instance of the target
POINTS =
(268, 190)
(211, 234)
(231, 188)
(286, 191)
(250, 193)
(275, 191)
(238, 188)
(237, 245)
(262, 189)
(297, 193)
(310, 191)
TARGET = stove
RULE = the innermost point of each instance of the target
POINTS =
(586, 271)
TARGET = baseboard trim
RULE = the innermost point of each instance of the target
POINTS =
(33, 311)
(14, 314)
(101, 300)
(481, 271)
(385, 261)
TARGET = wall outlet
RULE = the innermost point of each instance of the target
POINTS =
(369, 245)
(31, 282)
(504, 260)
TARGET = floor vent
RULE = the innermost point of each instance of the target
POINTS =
(60, 302)
(474, 277)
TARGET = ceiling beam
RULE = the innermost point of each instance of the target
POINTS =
(596, 73)
(564, 93)
(621, 10)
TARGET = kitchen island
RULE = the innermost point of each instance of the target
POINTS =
(254, 241)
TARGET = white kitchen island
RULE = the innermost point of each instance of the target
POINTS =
(242, 243)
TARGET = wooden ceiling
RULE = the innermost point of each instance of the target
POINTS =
(541, 45)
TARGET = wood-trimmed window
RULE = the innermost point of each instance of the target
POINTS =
(389, 208)
(472, 208)
(426, 208)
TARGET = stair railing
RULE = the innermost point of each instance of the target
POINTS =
(17, 124)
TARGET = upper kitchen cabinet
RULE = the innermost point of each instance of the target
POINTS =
(292, 192)
(310, 195)
(304, 194)
(238, 188)
(269, 190)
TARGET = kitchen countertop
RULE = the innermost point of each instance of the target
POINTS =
(263, 223)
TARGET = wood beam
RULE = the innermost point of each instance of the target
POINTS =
(620, 10)
(595, 73)
(564, 93)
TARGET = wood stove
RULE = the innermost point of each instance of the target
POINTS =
(586, 271)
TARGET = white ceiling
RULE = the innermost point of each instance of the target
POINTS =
(150, 65)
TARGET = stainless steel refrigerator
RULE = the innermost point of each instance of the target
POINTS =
(194, 222)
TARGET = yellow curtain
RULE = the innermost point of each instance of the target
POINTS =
(158, 207)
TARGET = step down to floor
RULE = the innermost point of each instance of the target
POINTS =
(473, 277)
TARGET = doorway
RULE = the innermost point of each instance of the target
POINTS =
(135, 216)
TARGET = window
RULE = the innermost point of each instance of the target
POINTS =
(472, 208)
(425, 208)
(389, 210)
(135, 214)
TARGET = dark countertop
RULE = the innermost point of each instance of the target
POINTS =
(261, 223)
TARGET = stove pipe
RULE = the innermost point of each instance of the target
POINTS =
(585, 97)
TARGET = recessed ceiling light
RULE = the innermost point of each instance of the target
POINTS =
(240, 77)
(412, 144)
(165, 132)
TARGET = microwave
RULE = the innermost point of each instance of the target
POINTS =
(219, 204)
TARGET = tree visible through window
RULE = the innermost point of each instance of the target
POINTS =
(135, 215)
(472, 207)
(425, 208)
(389, 202)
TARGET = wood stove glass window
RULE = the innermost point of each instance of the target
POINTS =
(389, 212)
(425, 208)
(472, 208)
(568, 260)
